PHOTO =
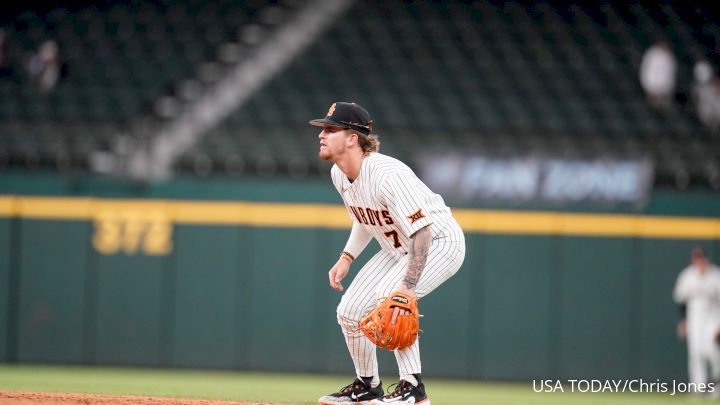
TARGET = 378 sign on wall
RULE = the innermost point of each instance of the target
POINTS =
(132, 232)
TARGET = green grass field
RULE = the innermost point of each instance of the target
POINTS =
(284, 388)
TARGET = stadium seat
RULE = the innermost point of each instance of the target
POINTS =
(497, 77)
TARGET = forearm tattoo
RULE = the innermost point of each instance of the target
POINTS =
(419, 248)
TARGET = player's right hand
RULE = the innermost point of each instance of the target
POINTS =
(337, 273)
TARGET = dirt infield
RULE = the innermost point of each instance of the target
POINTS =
(45, 398)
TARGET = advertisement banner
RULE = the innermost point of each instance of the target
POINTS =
(520, 180)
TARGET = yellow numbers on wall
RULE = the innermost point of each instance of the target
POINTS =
(132, 232)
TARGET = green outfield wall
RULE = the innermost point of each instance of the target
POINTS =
(6, 296)
(226, 275)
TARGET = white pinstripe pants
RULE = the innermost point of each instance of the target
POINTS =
(380, 277)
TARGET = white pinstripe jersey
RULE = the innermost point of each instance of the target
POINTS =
(392, 203)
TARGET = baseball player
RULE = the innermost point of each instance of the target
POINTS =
(421, 247)
(698, 288)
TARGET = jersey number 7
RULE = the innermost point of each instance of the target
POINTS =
(394, 235)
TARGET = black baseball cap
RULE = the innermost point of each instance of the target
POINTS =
(346, 115)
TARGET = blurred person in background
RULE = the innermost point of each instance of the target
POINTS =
(4, 64)
(2, 47)
(697, 290)
(706, 94)
(658, 74)
(44, 66)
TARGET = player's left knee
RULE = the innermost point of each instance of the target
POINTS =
(349, 325)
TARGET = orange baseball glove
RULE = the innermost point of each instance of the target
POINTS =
(378, 328)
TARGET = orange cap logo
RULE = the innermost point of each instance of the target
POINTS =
(331, 110)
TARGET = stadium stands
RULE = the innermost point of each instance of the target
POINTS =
(551, 78)
(548, 78)
(121, 61)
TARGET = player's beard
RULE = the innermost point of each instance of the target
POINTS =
(324, 154)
